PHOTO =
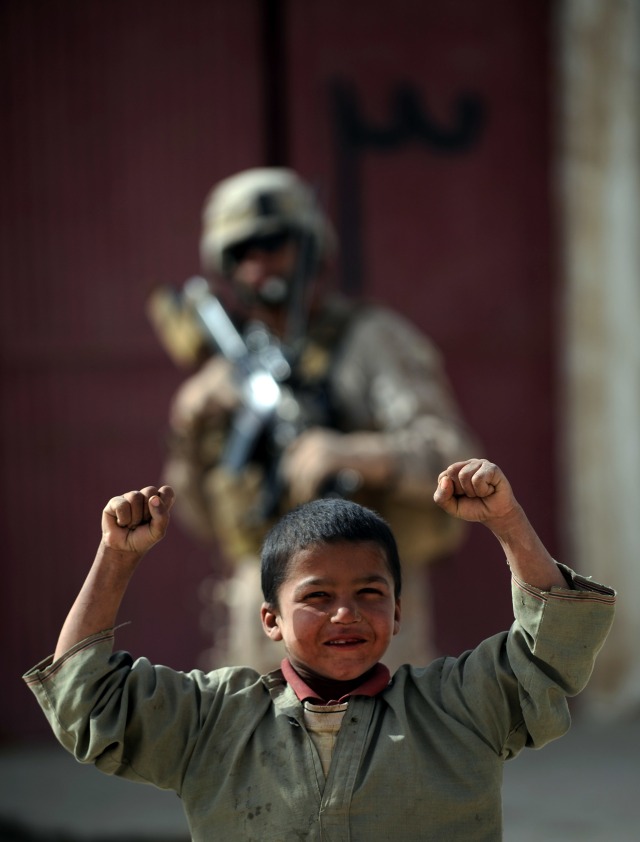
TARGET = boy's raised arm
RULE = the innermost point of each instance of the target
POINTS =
(131, 524)
(477, 490)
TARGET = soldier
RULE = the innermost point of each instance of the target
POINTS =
(365, 411)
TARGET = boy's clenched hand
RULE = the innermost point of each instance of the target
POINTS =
(135, 521)
(475, 490)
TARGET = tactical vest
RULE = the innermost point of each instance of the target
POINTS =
(237, 500)
(424, 533)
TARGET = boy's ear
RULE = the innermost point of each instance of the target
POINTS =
(269, 617)
(397, 616)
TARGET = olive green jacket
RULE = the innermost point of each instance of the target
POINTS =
(423, 760)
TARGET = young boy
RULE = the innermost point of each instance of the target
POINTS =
(330, 747)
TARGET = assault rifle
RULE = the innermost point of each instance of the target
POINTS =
(272, 412)
(261, 370)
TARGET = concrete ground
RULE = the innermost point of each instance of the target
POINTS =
(584, 787)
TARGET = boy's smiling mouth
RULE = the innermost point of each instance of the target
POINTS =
(345, 641)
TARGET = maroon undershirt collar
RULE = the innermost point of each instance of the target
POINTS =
(375, 683)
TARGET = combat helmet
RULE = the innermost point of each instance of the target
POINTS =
(259, 202)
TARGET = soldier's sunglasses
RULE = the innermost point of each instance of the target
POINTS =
(268, 243)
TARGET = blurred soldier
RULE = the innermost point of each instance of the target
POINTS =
(364, 411)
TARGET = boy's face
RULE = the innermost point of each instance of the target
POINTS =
(336, 610)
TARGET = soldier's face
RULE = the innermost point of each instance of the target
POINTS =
(263, 268)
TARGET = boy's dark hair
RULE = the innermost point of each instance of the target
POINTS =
(327, 521)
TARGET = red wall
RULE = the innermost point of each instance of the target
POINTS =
(118, 118)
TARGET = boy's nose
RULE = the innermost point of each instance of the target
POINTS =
(346, 614)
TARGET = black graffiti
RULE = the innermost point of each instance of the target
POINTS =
(409, 122)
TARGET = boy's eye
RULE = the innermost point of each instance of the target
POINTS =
(375, 591)
(316, 595)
